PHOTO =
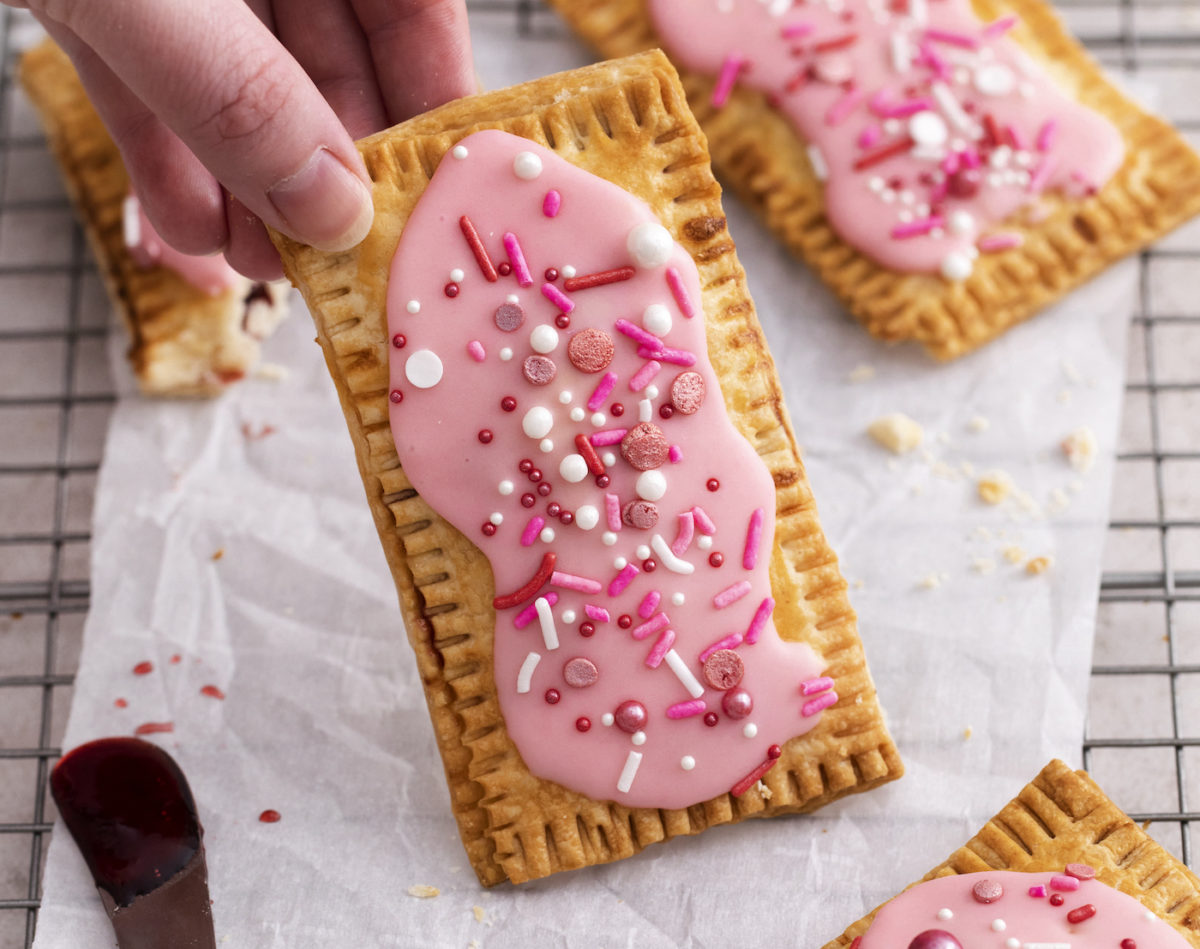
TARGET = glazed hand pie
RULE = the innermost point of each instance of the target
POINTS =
(1060, 866)
(628, 622)
(195, 325)
(948, 168)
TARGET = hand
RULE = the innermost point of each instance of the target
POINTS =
(229, 113)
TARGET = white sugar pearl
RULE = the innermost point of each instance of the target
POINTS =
(578, 414)
(1000, 157)
(527, 166)
(599, 418)
(995, 79)
(651, 485)
(537, 422)
(609, 458)
(505, 354)
(546, 445)
(568, 616)
(423, 369)
(704, 542)
(956, 266)
(649, 244)
(565, 397)
(687, 762)
(929, 129)
(945, 913)
(608, 538)
(457, 275)
(961, 222)
(496, 518)
(505, 487)
(547, 535)
(459, 151)
(567, 271)
(1012, 942)
(642, 552)
(587, 517)
(543, 339)
(620, 563)
(999, 925)
(607, 719)
(657, 319)
(750, 730)
(573, 468)
(512, 298)
(678, 599)
(638, 738)
(414, 306)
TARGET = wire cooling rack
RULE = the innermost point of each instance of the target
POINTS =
(1143, 741)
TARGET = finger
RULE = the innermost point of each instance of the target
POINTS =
(327, 40)
(181, 198)
(421, 50)
(250, 252)
(216, 76)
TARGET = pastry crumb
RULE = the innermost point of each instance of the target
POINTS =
(1013, 553)
(763, 790)
(1064, 397)
(967, 733)
(984, 565)
(1080, 449)
(481, 915)
(978, 424)
(423, 891)
(1069, 371)
(896, 432)
(1039, 565)
(474, 944)
(994, 487)
(218, 553)
(967, 468)
(271, 371)
(932, 581)
(861, 373)
(859, 584)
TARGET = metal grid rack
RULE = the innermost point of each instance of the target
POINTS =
(55, 399)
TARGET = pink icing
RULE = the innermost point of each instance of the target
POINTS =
(212, 275)
(1018, 919)
(464, 451)
(907, 107)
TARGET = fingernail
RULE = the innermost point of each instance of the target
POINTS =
(324, 204)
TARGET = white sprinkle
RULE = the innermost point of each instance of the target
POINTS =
(459, 151)
(537, 422)
(457, 275)
(543, 339)
(950, 105)
(645, 410)
(651, 392)
(656, 318)
(901, 52)
(687, 762)
(527, 166)
(512, 298)
(684, 674)
(547, 535)
(587, 517)
(565, 397)
(999, 925)
(506, 354)
(525, 676)
(423, 369)
(678, 599)
(598, 419)
(704, 542)
(619, 563)
(995, 79)
(505, 487)
(638, 738)
(945, 913)
(546, 619)
(750, 730)
(568, 616)
(608, 538)
(929, 129)
(816, 158)
(546, 445)
(876, 183)
(667, 557)
(651, 485)
(567, 271)
(962, 222)
(919, 11)
(574, 468)
(649, 245)
(609, 458)
(607, 719)
(956, 266)
(642, 552)
(578, 414)
(629, 772)
(414, 306)
(496, 518)
(1012, 942)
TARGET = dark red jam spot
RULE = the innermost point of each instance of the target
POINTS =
(528, 500)
(130, 810)
(504, 268)
(552, 696)
(716, 558)
(155, 728)
(396, 396)
(710, 719)
(567, 517)
(143, 668)
(713, 484)
(212, 692)
(451, 290)
(624, 621)
(649, 565)
(583, 723)
(508, 403)
(270, 816)
(121, 703)
(535, 475)
(666, 411)
(774, 752)
(544, 488)
(399, 341)
(554, 509)
(525, 466)
(485, 436)
(587, 629)
(489, 529)
(617, 410)
(176, 659)
(1056, 899)
(551, 274)
(562, 321)
(603, 481)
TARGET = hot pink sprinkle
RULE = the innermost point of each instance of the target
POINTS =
(557, 297)
(636, 333)
(642, 377)
(687, 530)
(609, 436)
(951, 162)
(476, 351)
(687, 709)
(675, 454)
(651, 626)
(597, 613)
(622, 580)
(731, 594)
(753, 539)
(911, 107)
(604, 387)
(794, 31)
(729, 73)
(971, 158)
(1037, 891)
(840, 110)
(916, 228)
(995, 242)
(1015, 139)
(679, 292)
(516, 257)
(679, 357)
(869, 137)
(759, 623)
(648, 605)
(821, 702)
(1038, 182)
(1000, 27)
(569, 581)
(933, 60)
(1063, 882)
(552, 203)
(726, 642)
(1046, 136)
(814, 686)
(532, 529)
(529, 614)
(655, 657)
(961, 40)
(703, 521)
(612, 507)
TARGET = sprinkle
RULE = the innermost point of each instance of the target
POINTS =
(1080, 871)
(642, 377)
(546, 619)
(532, 529)
(1064, 883)
(536, 582)
(953, 39)
(930, 57)
(814, 686)
(667, 557)
(840, 110)
(516, 257)
(679, 357)
(637, 334)
(918, 227)
(1046, 136)
(1037, 891)
(758, 624)
(612, 508)
(728, 642)
(753, 539)
(629, 772)
(821, 702)
(529, 614)
(1015, 139)
(649, 604)
(883, 153)
(557, 297)
(675, 454)
(703, 521)
(995, 242)
(687, 709)
(903, 110)
(569, 581)
(1000, 27)
(602, 391)
(869, 137)
(684, 674)
(901, 52)
(552, 203)
(650, 627)
(816, 158)
(729, 73)
(679, 292)
(1038, 180)
(610, 436)
(839, 42)
(655, 657)
(476, 351)
(622, 580)
(597, 613)
(1081, 913)
(604, 277)
(950, 105)
(731, 594)
(687, 530)
(918, 10)
(645, 410)
(525, 676)
(477, 248)
(746, 783)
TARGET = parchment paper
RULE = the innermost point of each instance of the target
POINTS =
(234, 535)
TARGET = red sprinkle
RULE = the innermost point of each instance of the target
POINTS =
(528, 500)
(536, 582)
(451, 290)
(603, 481)
(535, 475)
(713, 484)
(857, 942)
(562, 321)
(504, 268)
(477, 248)
(552, 696)
(752, 778)
(154, 728)
(143, 668)
(396, 396)
(840, 42)
(649, 565)
(583, 723)
(1128, 944)
(587, 281)
(624, 621)
(711, 719)
(544, 488)
(270, 816)
(1056, 899)
(587, 450)
(551, 274)
(567, 517)
(617, 410)
(587, 629)
(525, 465)
(883, 153)
(1080, 913)
(489, 529)
(399, 341)
(121, 703)
(212, 692)
(485, 436)
(508, 403)
(716, 558)
(774, 752)
(554, 509)
(666, 411)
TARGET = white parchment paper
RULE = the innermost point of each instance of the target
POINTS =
(234, 535)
